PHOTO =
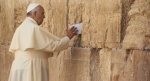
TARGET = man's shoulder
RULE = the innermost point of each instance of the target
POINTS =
(28, 24)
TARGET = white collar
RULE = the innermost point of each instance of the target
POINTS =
(32, 20)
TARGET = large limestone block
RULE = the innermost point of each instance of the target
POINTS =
(2, 49)
(118, 61)
(126, 6)
(9, 57)
(111, 63)
(105, 64)
(141, 65)
(80, 70)
(138, 27)
(101, 23)
(6, 59)
(71, 65)
(6, 21)
(74, 12)
(2, 67)
(20, 12)
(124, 65)
(136, 67)
(54, 69)
(1, 19)
(57, 14)
(95, 65)
(54, 65)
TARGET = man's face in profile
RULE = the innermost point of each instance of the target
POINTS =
(40, 15)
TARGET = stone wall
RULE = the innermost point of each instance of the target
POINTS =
(114, 45)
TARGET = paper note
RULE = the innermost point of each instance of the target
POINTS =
(78, 26)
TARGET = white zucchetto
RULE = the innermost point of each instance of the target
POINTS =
(32, 6)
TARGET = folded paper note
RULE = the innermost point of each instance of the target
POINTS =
(78, 26)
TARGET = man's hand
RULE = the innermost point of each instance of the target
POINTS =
(71, 32)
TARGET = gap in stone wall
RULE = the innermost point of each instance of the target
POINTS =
(126, 6)
(94, 65)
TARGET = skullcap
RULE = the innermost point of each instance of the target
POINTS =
(32, 6)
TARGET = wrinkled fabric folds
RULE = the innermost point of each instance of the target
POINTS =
(30, 66)
(30, 35)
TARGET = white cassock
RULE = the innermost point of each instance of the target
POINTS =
(32, 46)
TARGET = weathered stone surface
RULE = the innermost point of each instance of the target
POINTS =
(6, 59)
(138, 25)
(95, 65)
(136, 67)
(54, 69)
(118, 61)
(141, 65)
(2, 67)
(80, 69)
(6, 21)
(101, 23)
(124, 65)
(105, 64)
(126, 6)
(72, 65)
(58, 17)
(9, 57)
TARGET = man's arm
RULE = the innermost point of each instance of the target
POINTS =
(61, 44)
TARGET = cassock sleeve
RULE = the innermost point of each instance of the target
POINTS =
(51, 42)
(38, 39)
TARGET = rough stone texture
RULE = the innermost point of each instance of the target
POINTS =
(124, 65)
(136, 67)
(101, 23)
(118, 61)
(2, 66)
(6, 59)
(6, 21)
(71, 65)
(105, 64)
(58, 18)
(126, 6)
(138, 27)
(9, 57)
(112, 61)
(78, 64)
(95, 65)
(105, 51)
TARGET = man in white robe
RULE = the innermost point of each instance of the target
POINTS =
(32, 46)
